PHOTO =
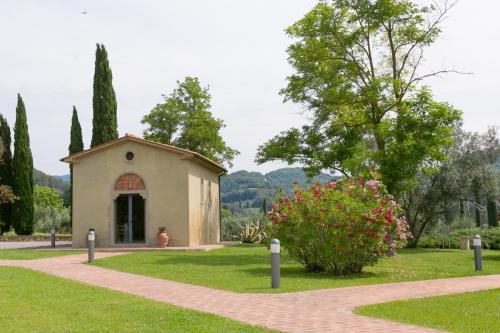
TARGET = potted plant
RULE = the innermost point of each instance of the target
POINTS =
(162, 237)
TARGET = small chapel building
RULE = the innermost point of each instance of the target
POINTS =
(128, 188)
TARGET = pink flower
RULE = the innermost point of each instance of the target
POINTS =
(388, 215)
(387, 237)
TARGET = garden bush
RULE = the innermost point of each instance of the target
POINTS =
(232, 226)
(46, 218)
(490, 238)
(50, 211)
(338, 227)
(253, 233)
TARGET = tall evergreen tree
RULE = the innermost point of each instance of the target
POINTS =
(5, 173)
(491, 207)
(75, 146)
(22, 167)
(105, 126)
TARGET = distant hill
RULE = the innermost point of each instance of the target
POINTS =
(64, 178)
(239, 190)
(245, 189)
(42, 179)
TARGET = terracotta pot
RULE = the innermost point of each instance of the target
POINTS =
(162, 239)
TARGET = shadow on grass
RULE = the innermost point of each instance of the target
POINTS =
(410, 251)
(214, 260)
(301, 273)
(258, 266)
(492, 257)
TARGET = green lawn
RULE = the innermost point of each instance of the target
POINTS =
(471, 312)
(36, 302)
(27, 254)
(246, 268)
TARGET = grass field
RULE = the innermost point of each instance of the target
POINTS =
(477, 312)
(36, 302)
(27, 254)
(246, 268)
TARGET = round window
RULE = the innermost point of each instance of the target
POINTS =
(129, 156)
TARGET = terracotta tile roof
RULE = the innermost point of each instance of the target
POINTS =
(74, 158)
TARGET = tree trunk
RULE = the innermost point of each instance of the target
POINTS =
(462, 208)
(477, 198)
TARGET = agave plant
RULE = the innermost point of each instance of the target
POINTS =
(253, 232)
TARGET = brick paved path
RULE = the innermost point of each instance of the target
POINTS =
(311, 311)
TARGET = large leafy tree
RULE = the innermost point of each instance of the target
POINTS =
(47, 197)
(75, 146)
(357, 73)
(467, 172)
(5, 173)
(185, 120)
(22, 167)
(105, 126)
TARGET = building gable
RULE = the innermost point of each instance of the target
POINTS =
(185, 153)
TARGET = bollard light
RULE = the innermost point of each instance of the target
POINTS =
(478, 260)
(275, 246)
(52, 237)
(275, 263)
(90, 241)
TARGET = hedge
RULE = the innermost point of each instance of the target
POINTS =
(490, 238)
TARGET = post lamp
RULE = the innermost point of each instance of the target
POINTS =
(91, 239)
(275, 263)
(52, 237)
(478, 260)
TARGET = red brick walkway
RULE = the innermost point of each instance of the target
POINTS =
(311, 311)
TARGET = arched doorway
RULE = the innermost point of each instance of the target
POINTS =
(130, 209)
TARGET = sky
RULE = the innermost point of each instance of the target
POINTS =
(236, 47)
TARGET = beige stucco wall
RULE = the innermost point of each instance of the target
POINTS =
(204, 225)
(171, 195)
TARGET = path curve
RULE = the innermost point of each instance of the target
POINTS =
(327, 310)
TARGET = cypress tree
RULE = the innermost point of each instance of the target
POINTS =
(22, 169)
(5, 173)
(75, 146)
(105, 126)
(491, 207)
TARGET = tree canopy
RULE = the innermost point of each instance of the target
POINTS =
(47, 197)
(75, 146)
(104, 122)
(357, 73)
(466, 173)
(185, 120)
(76, 139)
(22, 167)
(6, 178)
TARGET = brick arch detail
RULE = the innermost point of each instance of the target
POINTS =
(128, 182)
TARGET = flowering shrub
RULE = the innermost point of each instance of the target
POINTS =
(339, 227)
